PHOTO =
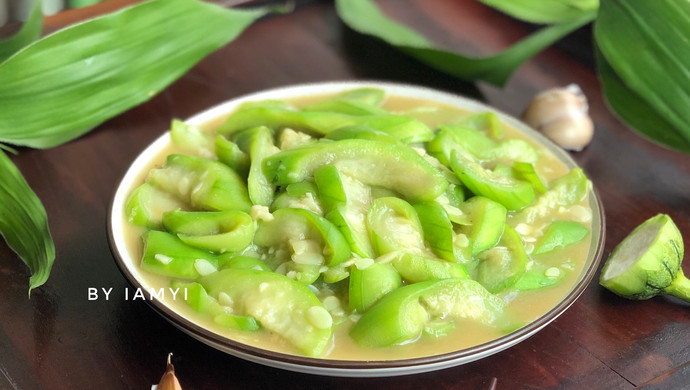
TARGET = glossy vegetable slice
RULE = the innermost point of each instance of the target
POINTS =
(511, 193)
(437, 228)
(165, 254)
(203, 183)
(648, 262)
(559, 235)
(377, 163)
(258, 143)
(368, 285)
(405, 129)
(402, 315)
(282, 306)
(502, 266)
(414, 268)
(195, 295)
(231, 155)
(487, 222)
(394, 225)
(191, 139)
(353, 226)
(294, 225)
(567, 190)
(146, 205)
(219, 231)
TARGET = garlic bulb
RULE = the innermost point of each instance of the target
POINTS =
(561, 114)
(169, 380)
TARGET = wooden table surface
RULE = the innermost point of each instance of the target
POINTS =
(59, 339)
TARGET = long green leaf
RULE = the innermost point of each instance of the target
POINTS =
(544, 11)
(67, 83)
(24, 224)
(29, 32)
(633, 109)
(364, 17)
(646, 46)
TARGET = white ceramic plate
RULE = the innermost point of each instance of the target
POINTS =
(129, 265)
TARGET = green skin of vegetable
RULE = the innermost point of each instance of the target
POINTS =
(438, 229)
(347, 107)
(258, 143)
(647, 262)
(511, 193)
(367, 286)
(405, 129)
(230, 154)
(183, 256)
(525, 171)
(191, 139)
(360, 132)
(402, 314)
(146, 205)
(414, 268)
(244, 262)
(355, 233)
(394, 225)
(200, 301)
(303, 224)
(371, 162)
(560, 234)
(280, 304)
(217, 231)
(486, 122)
(501, 267)
(487, 222)
(330, 187)
(210, 185)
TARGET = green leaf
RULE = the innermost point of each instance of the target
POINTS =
(644, 62)
(30, 31)
(364, 17)
(544, 11)
(24, 224)
(67, 83)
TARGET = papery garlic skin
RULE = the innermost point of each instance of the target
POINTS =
(561, 114)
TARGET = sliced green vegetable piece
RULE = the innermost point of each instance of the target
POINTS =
(203, 183)
(330, 186)
(314, 240)
(502, 266)
(567, 190)
(231, 155)
(352, 224)
(101, 71)
(258, 143)
(438, 229)
(394, 225)
(366, 95)
(244, 262)
(191, 139)
(487, 222)
(24, 223)
(347, 107)
(165, 254)
(282, 306)
(535, 279)
(525, 171)
(372, 162)
(403, 314)
(368, 285)
(559, 235)
(195, 295)
(303, 195)
(360, 132)
(146, 205)
(219, 231)
(511, 193)
(486, 122)
(414, 268)
(648, 262)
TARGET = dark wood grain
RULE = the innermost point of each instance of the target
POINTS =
(60, 340)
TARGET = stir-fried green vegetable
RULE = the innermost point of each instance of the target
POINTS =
(361, 222)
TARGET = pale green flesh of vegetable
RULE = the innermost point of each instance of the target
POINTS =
(648, 262)
(353, 220)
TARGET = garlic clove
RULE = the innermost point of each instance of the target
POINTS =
(169, 380)
(561, 114)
